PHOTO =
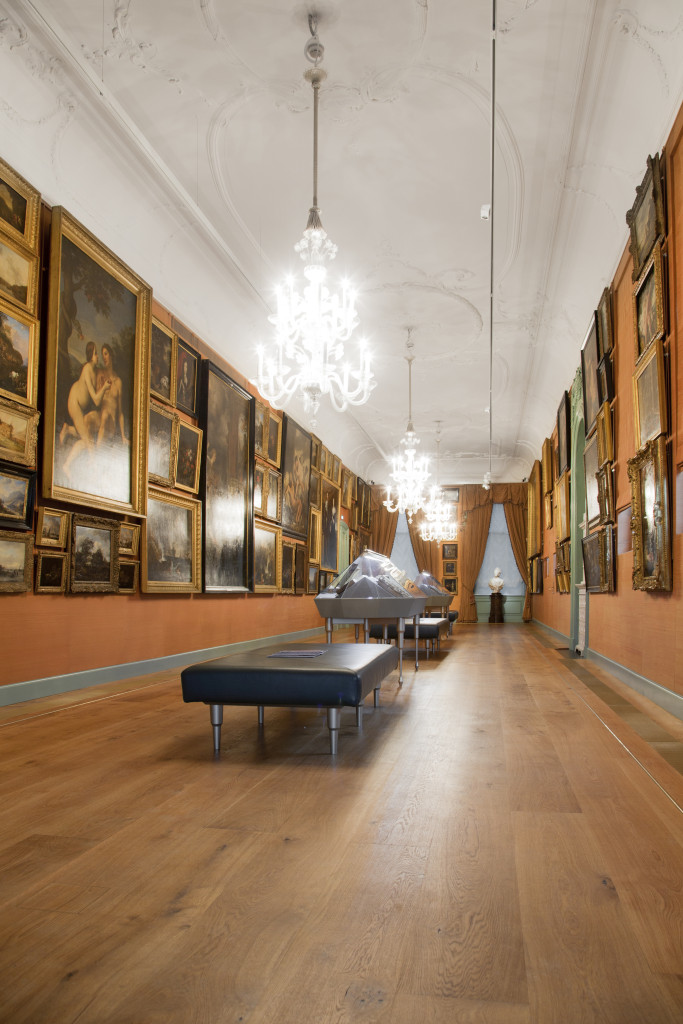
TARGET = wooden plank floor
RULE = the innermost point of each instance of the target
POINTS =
(498, 846)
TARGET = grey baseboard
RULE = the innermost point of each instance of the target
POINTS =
(665, 699)
(15, 693)
(555, 634)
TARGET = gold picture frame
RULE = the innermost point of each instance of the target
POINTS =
(598, 561)
(605, 435)
(188, 458)
(95, 451)
(94, 565)
(534, 534)
(547, 466)
(649, 314)
(16, 562)
(650, 518)
(649, 395)
(562, 498)
(18, 433)
(267, 558)
(548, 511)
(52, 530)
(129, 576)
(19, 275)
(162, 445)
(163, 362)
(171, 544)
(52, 572)
(604, 321)
(647, 218)
(20, 208)
(19, 341)
(288, 556)
(591, 466)
(605, 477)
(314, 532)
(129, 540)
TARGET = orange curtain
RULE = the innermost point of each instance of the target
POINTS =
(475, 511)
(427, 552)
(383, 523)
(515, 517)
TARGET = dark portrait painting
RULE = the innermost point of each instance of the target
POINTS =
(187, 378)
(98, 333)
(162, 364)
(226, 481)
(296, 473)
(330, 525)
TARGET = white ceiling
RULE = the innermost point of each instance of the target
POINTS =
(180, 133)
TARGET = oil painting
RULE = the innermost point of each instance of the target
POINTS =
(17, 495)
(94, 555)
(19, 271)
(16, 562)
(171, 544)
(226, 482)
(162, 363)
(163, 445)
(19, 207)
(53, 527)
(267, 555)
(18, 356)
(52, 569)
(296, 477)
(329, 536)
(96, 393)
(18, 433)
(187, 378)
(188, 461)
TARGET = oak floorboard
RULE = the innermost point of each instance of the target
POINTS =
(581, 952)
(496, 846)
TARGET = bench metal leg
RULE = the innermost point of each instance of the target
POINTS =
(260, 715)
(333, 719)
(359, 716)
(416, 620)
(216, 721)
(375, 694)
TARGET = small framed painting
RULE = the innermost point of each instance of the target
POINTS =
(649, 395)
(649, 320)
(449, 551)
(315, 452)
(94, 555)
(288, 551)
(267, 564)
(129, 540)
(188, 458)
(315, 489)
(162, 452)
(163, 362)
(52, 572)
(17, 496)
(260, 429)
(589, 369)
(273, 483)
(590, 461)
(128, 577)
(451, 584)
(260, 490)
(312, 587)
(19, 208)
(171, 544)
(187, 378)
(646, 218)
(561, 516)
(604, 320)
(18, 356)
(606, 495)
(16, 562)
(335, 475)
(650, 518)
(347, 488)
(300, 569)
(314, 528)
(296, 478)
(274, 448)
(53, 528)
(450, 568)
(604, 432)
(19, 271)
(564, 435)
(18, 434)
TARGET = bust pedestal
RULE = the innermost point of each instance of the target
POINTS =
(496, 608)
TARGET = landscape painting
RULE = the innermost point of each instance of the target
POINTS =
(171, 544)
(18, 356)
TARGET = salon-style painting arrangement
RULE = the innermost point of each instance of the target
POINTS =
(194, 484)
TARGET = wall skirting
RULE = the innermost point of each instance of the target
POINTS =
(659, 695)
(666, 699)
(15, 693)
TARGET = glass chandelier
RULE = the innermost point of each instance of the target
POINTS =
(312, 325)
(438, 522)
(410, 472)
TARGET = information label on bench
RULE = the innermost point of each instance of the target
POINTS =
(297, 654)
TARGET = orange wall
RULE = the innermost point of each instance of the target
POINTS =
(51, 634)
(641, 631)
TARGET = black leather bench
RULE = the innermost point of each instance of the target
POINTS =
(330, 676)
(452, 617)
(430, 630)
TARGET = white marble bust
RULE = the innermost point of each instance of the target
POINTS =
(496, 582)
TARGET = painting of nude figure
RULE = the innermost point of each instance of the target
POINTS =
(97, 373)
